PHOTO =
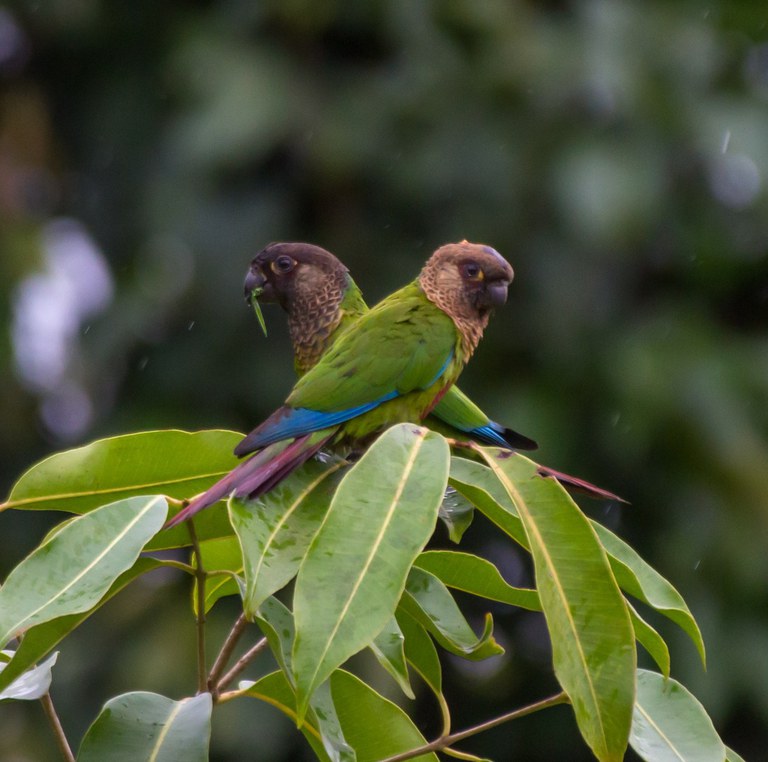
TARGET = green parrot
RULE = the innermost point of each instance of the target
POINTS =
(322, 300)
(392, 365)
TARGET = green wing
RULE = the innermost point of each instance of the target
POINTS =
(401, 345)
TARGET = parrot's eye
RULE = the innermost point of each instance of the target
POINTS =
(472, 271)
(283, 264)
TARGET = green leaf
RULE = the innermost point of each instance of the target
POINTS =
(633, 575)
(456, 512)
(472, 574)
(641, 580)
(219, 554)
(354, 572)
(593, 643)
(275, 530)
(72, 570)
(275, 689)
(431, 604)
(478, 484)
(670, 725)
(373, 726)
(276, 622)
(178, 464)
(40, 640)
(145, 726)
(388, 648)
(33, 684)
(651, 641)
(420, 652)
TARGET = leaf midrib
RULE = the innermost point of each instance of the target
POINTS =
(371, 555)
(19, 625)
(523, 508)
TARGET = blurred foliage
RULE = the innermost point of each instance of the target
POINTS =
(614, 152)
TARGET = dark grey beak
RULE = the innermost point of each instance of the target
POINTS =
(254, 285)
(496, 292)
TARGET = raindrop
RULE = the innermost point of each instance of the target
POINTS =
(143, 362)
(191, 325)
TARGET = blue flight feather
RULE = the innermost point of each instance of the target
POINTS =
(295, 422)
(489, 434)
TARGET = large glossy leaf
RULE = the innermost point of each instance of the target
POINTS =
(275, 530)
(33, 684)
(641, 580)
(670, 725)
(634, 575)
(472, 574)
(219, 554)
(354, 572)
(40, 640)
(69, 572)
(431, 604)
(178, 464)
(374, 727)
(146, 726)
(593, 642)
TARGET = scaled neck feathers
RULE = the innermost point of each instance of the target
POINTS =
(317, 314)
(444, 289)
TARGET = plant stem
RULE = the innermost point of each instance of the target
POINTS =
(225, 653)
(58, 730)
(445, 741)
(240, 665)
(200, 577)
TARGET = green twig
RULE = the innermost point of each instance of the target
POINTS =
(58, 730)
(445, 741)
(200, 578)
(224, 654)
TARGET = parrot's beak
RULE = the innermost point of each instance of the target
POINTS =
(496, 293)
(254, 284)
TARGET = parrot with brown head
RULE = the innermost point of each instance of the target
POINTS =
(392, 365)
(321, 300)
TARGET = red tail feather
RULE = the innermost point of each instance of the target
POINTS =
(255, 476)
(580, 485)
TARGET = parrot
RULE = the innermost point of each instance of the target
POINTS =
(322, 300)
(391, 365)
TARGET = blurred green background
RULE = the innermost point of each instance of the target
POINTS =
(615, 152)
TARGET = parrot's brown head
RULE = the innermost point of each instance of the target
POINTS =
(297, 276)
(310, 284)
(466, 281)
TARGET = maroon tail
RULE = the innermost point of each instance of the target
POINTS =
(255, 476)
(580, 485)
